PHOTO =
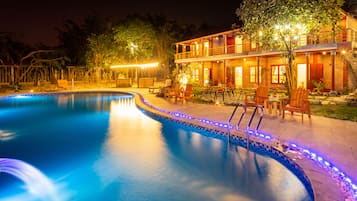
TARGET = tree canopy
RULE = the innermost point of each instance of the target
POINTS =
(136, 39)
(280, 23)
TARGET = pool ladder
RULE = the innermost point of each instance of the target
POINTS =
(248, 129)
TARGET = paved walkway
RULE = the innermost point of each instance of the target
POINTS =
(332, 139)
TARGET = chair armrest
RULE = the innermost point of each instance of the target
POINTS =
(306, 102)
(247, 95)
(285, 101)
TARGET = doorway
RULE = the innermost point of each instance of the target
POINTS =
(316, 73)
(301, 75)
(238, 77)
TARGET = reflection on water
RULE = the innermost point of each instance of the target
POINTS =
(36, 183)
(130, 144)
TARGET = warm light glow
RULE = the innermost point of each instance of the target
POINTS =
(126, 120)
(147, 65)
(323, 53)
(133, 47)
(260, 33)
(343, 52)
(275, 36)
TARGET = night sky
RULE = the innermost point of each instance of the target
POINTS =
(35, 21)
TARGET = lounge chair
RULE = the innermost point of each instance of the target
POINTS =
(257, 98)
(298, 102)
(188, 94)
(172, 91)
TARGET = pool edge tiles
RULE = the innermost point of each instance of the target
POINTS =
(327, 180)
(254, 144)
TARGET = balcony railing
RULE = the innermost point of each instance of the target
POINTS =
(346, 35)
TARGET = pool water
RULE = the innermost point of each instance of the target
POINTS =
(99, 146)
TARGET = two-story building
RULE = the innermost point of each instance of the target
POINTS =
(229, 58)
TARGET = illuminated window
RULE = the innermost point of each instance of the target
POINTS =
(206, 48)
(196, 74)
(197, 49)
(239, 44)
(302, 40)
(253, 74)
(253, 45)
(278, 74)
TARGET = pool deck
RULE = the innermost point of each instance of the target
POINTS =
(334, 140)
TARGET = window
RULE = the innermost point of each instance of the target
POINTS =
(196, 74)
(239, 44)
(253, 74)
(253, 45)
(206, 48)
(197, 49)
(278, 74)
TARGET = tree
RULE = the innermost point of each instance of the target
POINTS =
(136, 39)
(17, 55)
(167, 32)
(101, 51)
(74, 37)
(279, 23)
(49, 58)
(11, 50)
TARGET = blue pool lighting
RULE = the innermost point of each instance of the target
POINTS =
(351, 187)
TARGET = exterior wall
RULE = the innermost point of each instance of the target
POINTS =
(351, 25)
(339, 72)
(223, 55)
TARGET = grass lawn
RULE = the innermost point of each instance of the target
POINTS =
(343, 112)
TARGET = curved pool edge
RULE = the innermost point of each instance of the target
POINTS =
(320, 182)
(258, 145)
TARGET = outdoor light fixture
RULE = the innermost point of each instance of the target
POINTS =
(147, 65)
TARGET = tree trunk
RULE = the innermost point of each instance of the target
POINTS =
(290, 73)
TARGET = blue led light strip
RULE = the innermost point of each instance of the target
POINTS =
(346, 184)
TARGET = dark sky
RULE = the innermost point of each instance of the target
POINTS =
(34, 21)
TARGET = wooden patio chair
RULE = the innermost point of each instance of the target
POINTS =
(170, 92)
(298, 102)
(257, 98)
(188, 94)
(184, 95)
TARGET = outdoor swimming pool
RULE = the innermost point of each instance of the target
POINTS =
(100, 146)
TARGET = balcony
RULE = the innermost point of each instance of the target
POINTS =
(324, 41)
